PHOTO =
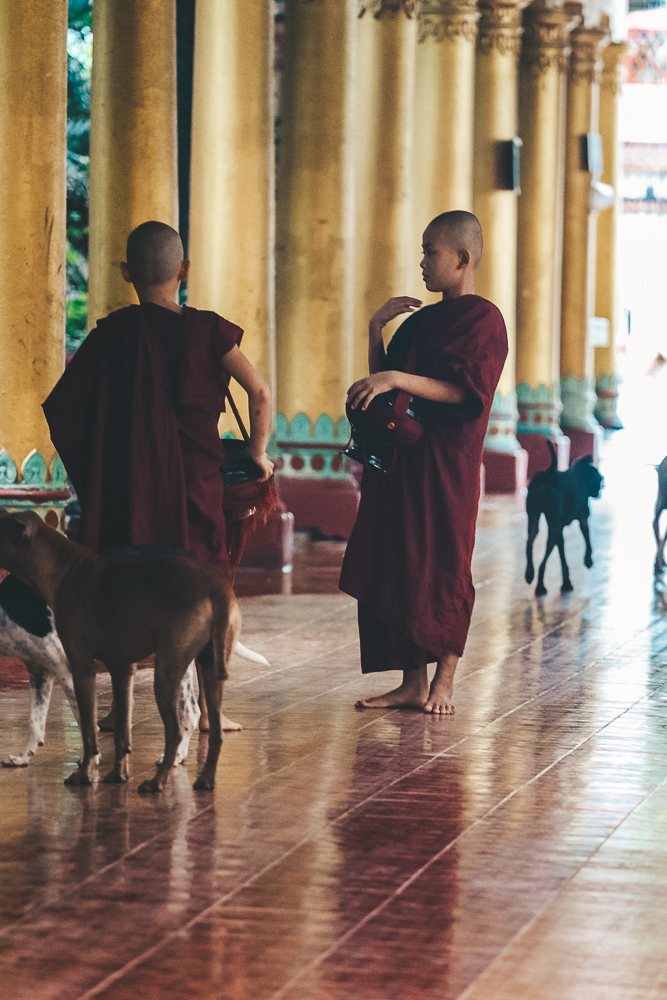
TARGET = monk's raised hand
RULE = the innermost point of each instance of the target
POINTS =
(362, 392)
(393, 308)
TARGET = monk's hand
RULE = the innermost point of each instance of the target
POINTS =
(261, 459)
(362, 392)
(393, 308)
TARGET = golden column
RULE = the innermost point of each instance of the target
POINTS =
(542, 64)
(133, 164)
(577, 381)
(387, 256)
(315, 261)
(495, 190)
(606, 302)
(231, 241)
(443, 123)
(33, 121)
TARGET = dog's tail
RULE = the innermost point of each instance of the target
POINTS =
(553, 467)
(223, 639)
(250, 654)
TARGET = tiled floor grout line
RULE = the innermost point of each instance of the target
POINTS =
(436, 857)
(371, 722)
(139, 959)
(533, 920)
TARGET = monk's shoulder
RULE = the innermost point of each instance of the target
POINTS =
(221, 332)
(476, 309)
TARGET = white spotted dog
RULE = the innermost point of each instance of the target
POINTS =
(27, 632)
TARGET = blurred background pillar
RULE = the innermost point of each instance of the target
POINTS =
(386, 253)
(33, 124)
(133, 141)
(541, 69)
(232, 183)
(495, 189)
(577, 378)
(443, 122)
(606, 295)
(315, 262)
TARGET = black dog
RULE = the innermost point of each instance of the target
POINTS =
(660, 505)
(562, 497)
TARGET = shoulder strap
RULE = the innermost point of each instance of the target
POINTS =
(246, 436)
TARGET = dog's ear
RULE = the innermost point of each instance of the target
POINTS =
(24, 527)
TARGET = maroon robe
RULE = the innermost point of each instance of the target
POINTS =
(134, 419)
(408, 559)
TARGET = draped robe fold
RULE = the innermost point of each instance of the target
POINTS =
(134, 420)
(408, 561)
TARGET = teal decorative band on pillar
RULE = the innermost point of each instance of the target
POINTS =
(605, 412)
(501, 433)
(32, 487)
(307, 452)
(578, 398)
(539, 410)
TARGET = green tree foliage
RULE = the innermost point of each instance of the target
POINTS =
(79, 61)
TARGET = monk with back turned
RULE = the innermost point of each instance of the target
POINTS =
(134, 416)
(408, 561)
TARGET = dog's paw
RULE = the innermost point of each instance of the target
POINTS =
(149, 786)
(80, 777)
(204, 783)
(540, 590)
(530, 574)
(17, 761)
(117, 776)
(566, 587)
(588, 561)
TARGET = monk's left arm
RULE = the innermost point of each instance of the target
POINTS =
(363, 391)
(259, 406)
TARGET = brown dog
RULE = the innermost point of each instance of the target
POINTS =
(121, 611)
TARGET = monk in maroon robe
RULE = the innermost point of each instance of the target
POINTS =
(408, 559)
(134, 417)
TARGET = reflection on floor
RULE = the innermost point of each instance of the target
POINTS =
(518, 850)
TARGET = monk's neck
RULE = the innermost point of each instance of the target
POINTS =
(159, 295)
(467, 287)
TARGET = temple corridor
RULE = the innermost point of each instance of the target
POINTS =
(517, 850)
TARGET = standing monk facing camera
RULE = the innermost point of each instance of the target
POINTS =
(408, 559)
(134, 417)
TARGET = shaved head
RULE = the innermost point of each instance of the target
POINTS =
(461, 231)
(154, 253)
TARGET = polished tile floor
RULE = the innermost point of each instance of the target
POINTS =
(517, 850)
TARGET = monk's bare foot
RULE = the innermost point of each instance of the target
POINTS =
(439, 700)
(412, 693)
(228, 726)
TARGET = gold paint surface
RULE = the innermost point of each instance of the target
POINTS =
(539, 100)
(314, 213)
(232, 221)
(443, 122)
(133, 142)
(606, 295)
(385, 252)
(496, 209)
(579, 224)
(33, 120)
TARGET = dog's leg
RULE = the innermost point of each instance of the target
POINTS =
(168, 676)
(122, 680)
(213, 687)
(188, 715)
(83, 675)
(41, 686)
(541, 590)
(659, 565)
(201, 699)
(566, 585)
(588, 555)
(533, 529)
